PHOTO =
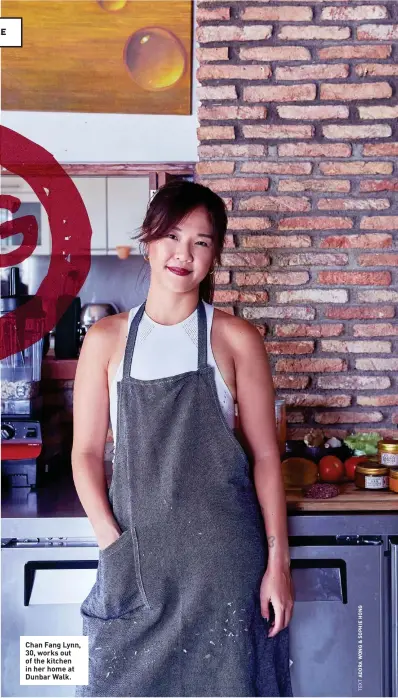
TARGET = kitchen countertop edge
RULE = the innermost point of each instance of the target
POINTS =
(306, 524)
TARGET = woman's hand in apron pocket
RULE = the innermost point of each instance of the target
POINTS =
(118, 589)
(108, 536)
(277, 588)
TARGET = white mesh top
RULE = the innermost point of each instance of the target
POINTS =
(167, 350)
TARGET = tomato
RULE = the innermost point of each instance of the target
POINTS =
(351, 463)
(331, 469)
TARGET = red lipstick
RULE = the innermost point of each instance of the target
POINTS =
(179, 271)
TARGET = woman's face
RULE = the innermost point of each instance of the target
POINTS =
(190, 246)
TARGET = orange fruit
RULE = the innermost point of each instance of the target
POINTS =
(299, 472)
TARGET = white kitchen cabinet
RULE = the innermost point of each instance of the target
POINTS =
(116, 207)
(93, 193)
(15, 186)
(127, 198)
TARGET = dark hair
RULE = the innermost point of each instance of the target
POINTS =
(171, 204)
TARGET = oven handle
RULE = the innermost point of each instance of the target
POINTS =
(58, 582)
(394, 614)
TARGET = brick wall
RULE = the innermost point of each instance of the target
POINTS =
(297, 131)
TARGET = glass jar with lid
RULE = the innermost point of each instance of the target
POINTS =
(388, 452)
(393, 480)
(371, 476)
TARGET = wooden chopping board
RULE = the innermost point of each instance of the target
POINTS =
(350, 499)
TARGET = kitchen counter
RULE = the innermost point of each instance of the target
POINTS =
(55, 507)
(350, 499)
(51, 509)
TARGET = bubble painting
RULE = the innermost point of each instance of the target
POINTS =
(100, 56)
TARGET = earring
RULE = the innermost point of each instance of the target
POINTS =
(146, 258)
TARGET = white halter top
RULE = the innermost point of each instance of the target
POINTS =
(167, 350)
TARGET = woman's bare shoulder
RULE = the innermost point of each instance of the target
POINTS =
(236, 331)
(103, 338)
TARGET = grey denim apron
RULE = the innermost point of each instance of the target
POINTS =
(175, 608)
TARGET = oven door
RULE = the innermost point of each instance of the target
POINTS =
(337, 628)
(29, 206)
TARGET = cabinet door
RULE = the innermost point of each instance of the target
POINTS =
(93, 193)
(128, 198)
(29, 205)
(41, 593)
(337, 628)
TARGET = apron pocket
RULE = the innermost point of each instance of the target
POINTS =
(118, 589)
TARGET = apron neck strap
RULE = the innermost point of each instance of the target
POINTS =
(202, 335)
(132, 336)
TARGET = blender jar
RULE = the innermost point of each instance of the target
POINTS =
(20, 371)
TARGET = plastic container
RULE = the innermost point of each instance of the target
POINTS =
(20, 408)
(20, 371)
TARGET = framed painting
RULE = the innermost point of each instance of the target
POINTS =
(100, 56)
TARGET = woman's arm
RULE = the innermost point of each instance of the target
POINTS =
(256, 404)
(90, 426)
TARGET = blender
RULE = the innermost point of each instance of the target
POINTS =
(21, 401)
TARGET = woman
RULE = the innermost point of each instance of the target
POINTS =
(186, 575)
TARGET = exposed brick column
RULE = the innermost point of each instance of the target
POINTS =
(298, 133)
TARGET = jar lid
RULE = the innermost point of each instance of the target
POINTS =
(369, 468)
(394, 473)
(388, 445)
